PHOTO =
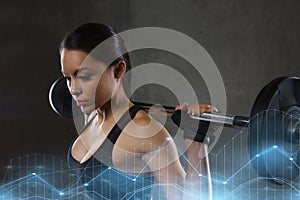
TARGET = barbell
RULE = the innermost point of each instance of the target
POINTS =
(273, 126)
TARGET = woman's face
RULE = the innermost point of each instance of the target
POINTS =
(90, 82)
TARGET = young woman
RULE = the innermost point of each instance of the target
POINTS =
(118, 136)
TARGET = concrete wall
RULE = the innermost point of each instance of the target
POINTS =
(252, 42)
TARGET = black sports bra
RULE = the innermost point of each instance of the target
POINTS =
(104, 152)
(100, 180)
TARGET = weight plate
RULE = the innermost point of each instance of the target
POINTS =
(273, 150)
(60, 98)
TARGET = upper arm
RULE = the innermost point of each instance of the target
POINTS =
(163, 160)
(158, 148)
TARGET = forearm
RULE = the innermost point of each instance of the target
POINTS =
(198, 179)
(171, 187)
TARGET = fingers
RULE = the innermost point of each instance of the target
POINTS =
(197, 109)
(183, 106)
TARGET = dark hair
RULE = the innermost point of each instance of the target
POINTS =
(89, 35)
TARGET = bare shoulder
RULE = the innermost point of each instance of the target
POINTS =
(146, 129)
(142, 118)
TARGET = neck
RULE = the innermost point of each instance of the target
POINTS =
(115, 107)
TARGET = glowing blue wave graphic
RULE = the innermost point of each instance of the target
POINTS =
(52, 185)
(40, 176)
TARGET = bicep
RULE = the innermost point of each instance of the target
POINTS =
(163, 160)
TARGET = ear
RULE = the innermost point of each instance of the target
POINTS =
(120, 69)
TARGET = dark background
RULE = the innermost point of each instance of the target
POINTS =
(252, 42)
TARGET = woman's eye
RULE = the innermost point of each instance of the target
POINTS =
(84, 78)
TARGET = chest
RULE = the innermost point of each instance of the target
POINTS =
(124, 152)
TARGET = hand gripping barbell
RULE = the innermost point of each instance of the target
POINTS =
(273, 125)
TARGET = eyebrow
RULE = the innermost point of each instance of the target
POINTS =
(78, 70)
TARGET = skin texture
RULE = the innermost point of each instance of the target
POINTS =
(85, 85)
(144, 141)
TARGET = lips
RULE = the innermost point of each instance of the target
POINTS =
(82, 103)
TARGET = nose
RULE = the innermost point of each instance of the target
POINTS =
(74, 87)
